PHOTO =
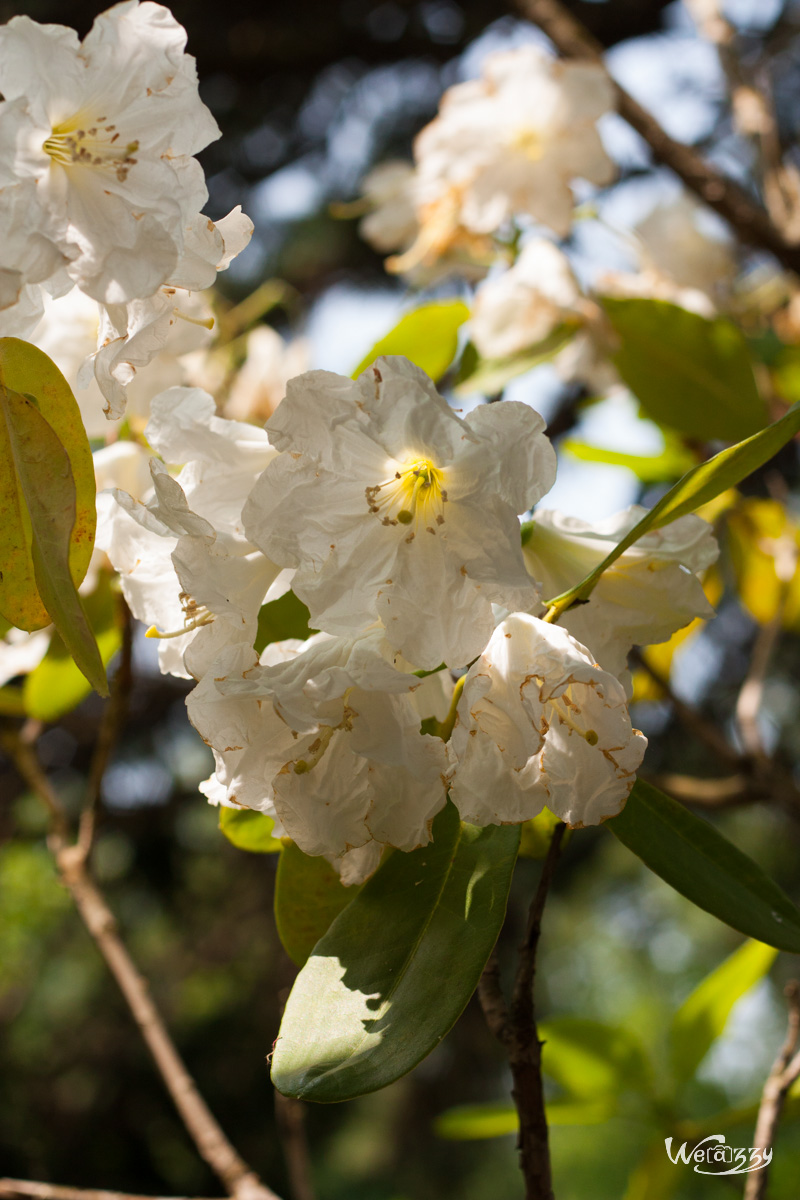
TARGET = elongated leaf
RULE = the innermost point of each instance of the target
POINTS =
(473, 1122)
(688, 372)
(56, 686)
(396, 968)
(43, 483)
(593, 1061)
(286, 617)
(699, 486)
(650, 468)
(249, 830)
(702, 1017)
(308, 897)
(490, 375)
(428, 336)
(696, 860)
(27, 371)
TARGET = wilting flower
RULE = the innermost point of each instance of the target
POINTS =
(394, 508)
(106, 130)
(541, 724)
(650, 592)
(511, 142)
(327, 742)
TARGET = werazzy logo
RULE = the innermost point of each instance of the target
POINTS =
(712, 1156)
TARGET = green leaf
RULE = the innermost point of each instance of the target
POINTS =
(655, 1178)
(249, 830)
(702, 1018)
(703, 483)
(428, 336)
(56, 686)
(688, 372)
(308, 897)
(38, 506)
(286, 617)
(490, 375)
(697, 861)
(397, 967)
(593, 1061)
(650, 468)
(11, 702)
(473, 1122)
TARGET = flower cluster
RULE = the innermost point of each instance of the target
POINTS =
(99, 189)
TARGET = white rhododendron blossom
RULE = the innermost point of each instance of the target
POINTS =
(260, 383)
(649, 593)
(527, 303)
(391, 223)
(541, 724)
(326, 741)
(392, 507)
(511, 142)
(183, 559)
(106, 128)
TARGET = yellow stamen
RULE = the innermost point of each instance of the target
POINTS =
(414, 493)
(205, 619)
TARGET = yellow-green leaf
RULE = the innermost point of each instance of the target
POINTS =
(38, 507)
(308, 897)
(490, 375)
(249, 830)
(29, 372)
(474, 1122)
(428, 336)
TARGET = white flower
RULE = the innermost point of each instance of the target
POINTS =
(124, 465)
(106, 129)
(524, 305)
(391, 223)
(393, 508)
(28, 255)
(539, 723)
(185, 566)
(327, 741)
(650, 592)
(21, 652)
(260, 382)
(511, 142)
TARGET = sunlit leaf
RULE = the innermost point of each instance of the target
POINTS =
(56, 686)
(428, 336)
(286, 617)
(474, 1122)
(673, 461)
(38, 508)
(688, 372)
(398, 965)
(702, 1017)
(249, 830)
(591, 1060)
(699, 486)
(308, 897)
(697, 861)
(763, 538)
(490, 375)
(537, 833)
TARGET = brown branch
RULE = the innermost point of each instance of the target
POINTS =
(785, 1070)
(751, 222)
(704, 730)
(211, 1142)
(525, 1049)
(13, 1188)
(492, 1000)
(290, 1116)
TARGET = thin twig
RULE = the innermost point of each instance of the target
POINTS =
(211, 1142)
(290, 1116)
(704, 730)
(13, 1188)
(492, 1000)
(751, 222)
(111, 725)
(785, 1070)
(525, 1049)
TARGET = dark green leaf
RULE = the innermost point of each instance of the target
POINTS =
(249, 830)
(688, 372)
(308, 898)
(396, 968)
(696, 860)
(428, 336)
(286, 617)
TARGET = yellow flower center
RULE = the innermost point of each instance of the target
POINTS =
(91, 144)
(527, 141)
(413, 496)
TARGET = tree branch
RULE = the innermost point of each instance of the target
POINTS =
(211, 1142)
(751, 222)
(785, 1070)
(524, 1047)
(13, 1188)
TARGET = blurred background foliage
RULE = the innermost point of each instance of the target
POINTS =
(309, 96)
